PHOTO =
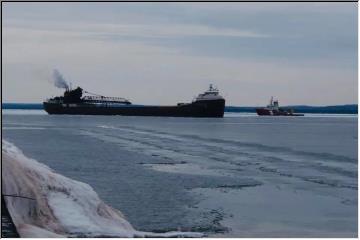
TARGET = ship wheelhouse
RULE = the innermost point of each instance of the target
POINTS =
(274, 104)
(211, 94)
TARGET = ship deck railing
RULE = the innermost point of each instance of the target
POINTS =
(105, 99)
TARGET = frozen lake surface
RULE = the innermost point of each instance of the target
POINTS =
(240, 176)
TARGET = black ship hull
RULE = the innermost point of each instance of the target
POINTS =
(206, 108)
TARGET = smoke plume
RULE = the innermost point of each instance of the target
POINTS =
(59, 80)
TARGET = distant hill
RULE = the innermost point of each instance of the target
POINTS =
(22, 106)
(338, 109)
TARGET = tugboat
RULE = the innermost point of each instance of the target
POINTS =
(208, 104)
(273, 109)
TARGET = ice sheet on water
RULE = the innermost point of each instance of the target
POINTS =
(23, 128)
(321, 168)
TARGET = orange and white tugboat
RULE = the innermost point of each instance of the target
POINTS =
(273, 109)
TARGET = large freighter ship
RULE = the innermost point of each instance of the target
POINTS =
(208, 104)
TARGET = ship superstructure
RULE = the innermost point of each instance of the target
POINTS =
(211, 94)
(76, 96)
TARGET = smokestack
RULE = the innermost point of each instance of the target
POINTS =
(59, 80)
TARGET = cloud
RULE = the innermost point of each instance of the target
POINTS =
(133, 69)
(177, 59)
(135, 30)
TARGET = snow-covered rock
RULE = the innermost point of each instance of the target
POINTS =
(61, 207)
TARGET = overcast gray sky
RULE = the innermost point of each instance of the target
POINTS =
(164, 53)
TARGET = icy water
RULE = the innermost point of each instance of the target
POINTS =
(240, 176)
